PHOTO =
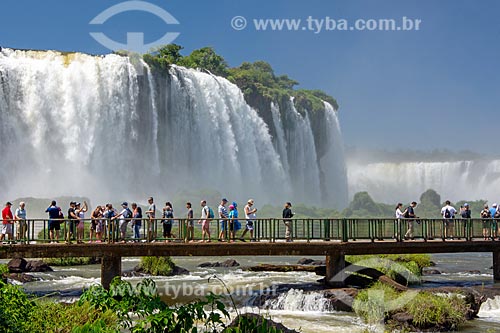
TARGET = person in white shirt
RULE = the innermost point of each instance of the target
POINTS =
(399, 216)
(22, 226)
(448, 212)
(250, 217)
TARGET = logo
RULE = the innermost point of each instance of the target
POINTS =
(135, 40)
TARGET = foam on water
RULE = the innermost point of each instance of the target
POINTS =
(490, 310)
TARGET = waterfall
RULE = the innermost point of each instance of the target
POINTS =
(394, 182)
(298, 300)
(110, 128)
(333, 167)
(490, 309)
(302, 158)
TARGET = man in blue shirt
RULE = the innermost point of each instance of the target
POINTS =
(494, 225)
(55, 217)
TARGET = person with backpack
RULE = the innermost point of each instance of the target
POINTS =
(168, 215)
(466, 214)
(486, 219)
(206, 215)
(495, 214)
(409, 215)
(124, 216)
(448, 212)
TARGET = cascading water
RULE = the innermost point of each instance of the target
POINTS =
(394, 182)
(75, 124)
(298, 300)
(334, 169)
(302, 158)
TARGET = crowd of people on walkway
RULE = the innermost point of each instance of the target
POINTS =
(489, 219)
(106, 222)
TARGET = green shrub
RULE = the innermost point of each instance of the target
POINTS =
(69, 261)
(157, 265)
(4, 269)
(429, 310)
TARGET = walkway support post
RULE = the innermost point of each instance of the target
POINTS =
(111, 266)
(496, 265)
(335, 269)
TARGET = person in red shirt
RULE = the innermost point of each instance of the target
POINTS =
(8, 221)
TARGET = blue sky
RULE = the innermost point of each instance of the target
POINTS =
(433, 88)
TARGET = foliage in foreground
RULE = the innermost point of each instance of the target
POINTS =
(379, 302)
(140, 310)
(135, 309)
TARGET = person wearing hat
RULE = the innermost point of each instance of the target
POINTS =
(250, 217)
(234, 223)
(124, 216)
(72, 221)
(7, 222)
(223, 215)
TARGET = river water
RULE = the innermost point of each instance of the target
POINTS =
(304, 311)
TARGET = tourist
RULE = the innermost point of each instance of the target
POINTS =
(55, 218)
(124, 217)
(234, 223)
(448, 212)
(205, 221)
(287, 215)
(151, 213)
(168, 215)
(223, 215)
(109, 214)
(466, 214)
(80, 226)
(494, 223)
(7, 222)
(399, 218)
(22, 225)
(189, 224)
(250, 217)
(72, 221)
(486, 219)
(96, 224)
(409, 215)
(137, 221)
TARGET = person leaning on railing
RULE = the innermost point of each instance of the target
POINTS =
(486, 219)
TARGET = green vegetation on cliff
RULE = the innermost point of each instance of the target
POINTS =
(258, 82)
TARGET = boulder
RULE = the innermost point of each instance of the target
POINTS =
(205, 264)
(229, 263)
(180, 271)
(37, 266)
(21, 277)
(250, 322)
(427, 271)
(17, 265)
(308, 261)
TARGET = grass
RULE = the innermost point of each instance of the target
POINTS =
(157, 265)
(69, 261)
(428, 310)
